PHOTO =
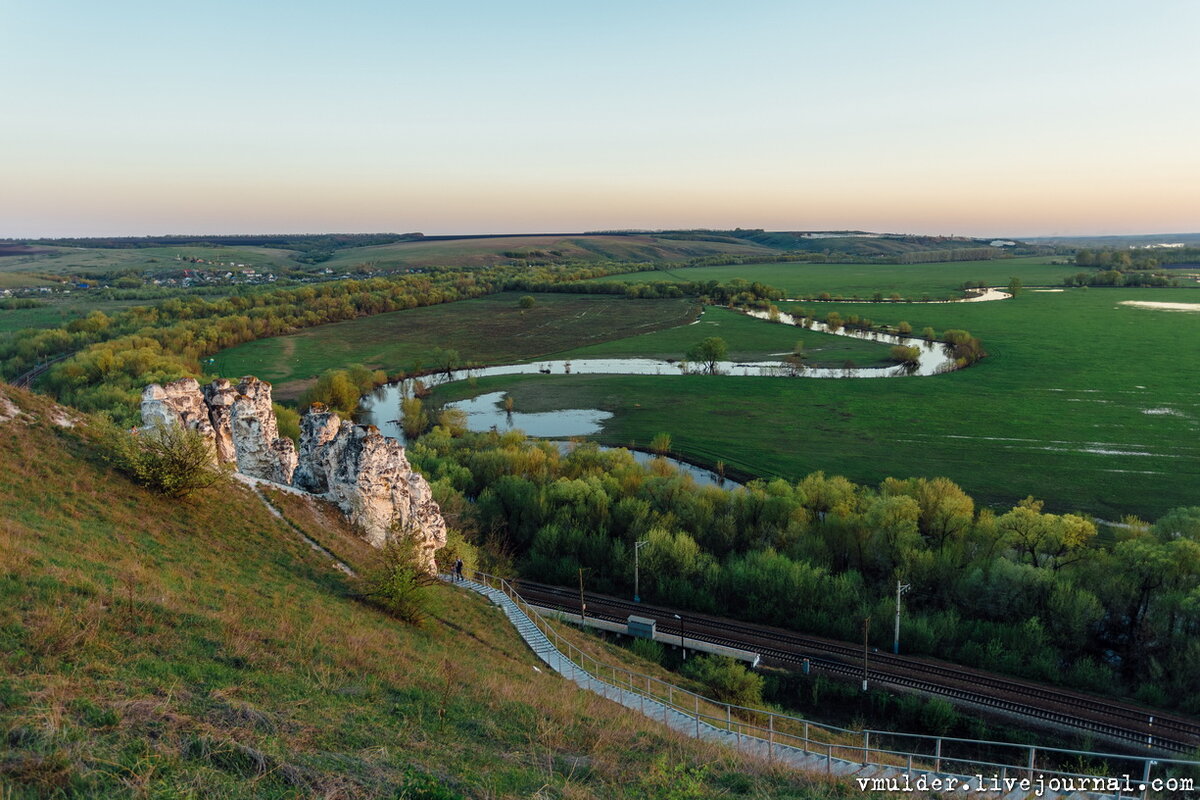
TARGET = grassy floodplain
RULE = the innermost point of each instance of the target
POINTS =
(493, 329)
(1085, 402)
(748, 339)
(911, 281)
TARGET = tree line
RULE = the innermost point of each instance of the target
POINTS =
(1019, 590)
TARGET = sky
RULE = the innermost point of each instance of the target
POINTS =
(927, 116)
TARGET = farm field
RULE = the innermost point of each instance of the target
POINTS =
(490, 250)
(56, 312)
(86, 260)
(748, 339)
(911, 281)
(1084, 402)
(491, 329)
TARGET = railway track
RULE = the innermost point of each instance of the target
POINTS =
(26, 379)
(1114, 720)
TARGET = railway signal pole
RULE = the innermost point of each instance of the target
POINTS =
(900, 589)
(682, 649)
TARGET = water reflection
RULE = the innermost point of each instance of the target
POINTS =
(486, 412)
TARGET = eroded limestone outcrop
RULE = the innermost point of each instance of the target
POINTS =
(261, 453)
(318, 428)
(239, 422)
(369, 477)
(366, 474)
(177, 403)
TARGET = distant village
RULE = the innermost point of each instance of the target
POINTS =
(207, 273)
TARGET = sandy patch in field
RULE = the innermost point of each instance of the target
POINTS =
(1162, 306)
(1049, 290)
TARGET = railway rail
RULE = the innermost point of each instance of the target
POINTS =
(1130, 725)
(26, 379)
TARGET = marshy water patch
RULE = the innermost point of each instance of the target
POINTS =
(1159, 306)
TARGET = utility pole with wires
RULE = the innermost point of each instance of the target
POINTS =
(866, 630)
(636, 547)
(582, 605)
(900, 589)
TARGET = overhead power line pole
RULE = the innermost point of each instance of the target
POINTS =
(900, 589)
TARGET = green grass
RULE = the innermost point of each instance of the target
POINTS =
(908, 280)
(56, 311)
(1071, 376)
(85, 260)
(490, 329)
(163, 649)
(748, 339)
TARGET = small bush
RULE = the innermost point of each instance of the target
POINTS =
(171, 460)
(647, 649)
(398, 584)
(727, 679)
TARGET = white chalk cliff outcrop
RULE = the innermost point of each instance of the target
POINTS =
(239, 421)
(366, 474)
(369, 477)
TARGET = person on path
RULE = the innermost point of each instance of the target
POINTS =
(458, 570)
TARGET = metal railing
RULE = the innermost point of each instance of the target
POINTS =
(765, 729)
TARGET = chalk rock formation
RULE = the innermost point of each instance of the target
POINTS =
(318, 428)
(365, 473)
(260, 451)
(219, 396)
(370, 479)
(177, 403)
(239, 422)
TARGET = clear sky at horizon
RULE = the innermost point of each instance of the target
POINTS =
(935, 116)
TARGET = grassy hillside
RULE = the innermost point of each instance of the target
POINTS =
(163, 649)
(493, 329)
(87, 260)
(491, 250)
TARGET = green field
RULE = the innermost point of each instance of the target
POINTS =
(491, 329)
(87, 260)
(908, 280)
(1084, 402)
(749, 339)
(56, 311)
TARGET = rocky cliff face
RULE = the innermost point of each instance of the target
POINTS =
(239, 422)
(370, 479)
(365, 473)
(260, 451)
(177, 403)
(318, 428)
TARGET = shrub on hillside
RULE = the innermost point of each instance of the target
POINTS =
(727, 679)
(171, 460)
(398, 584)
